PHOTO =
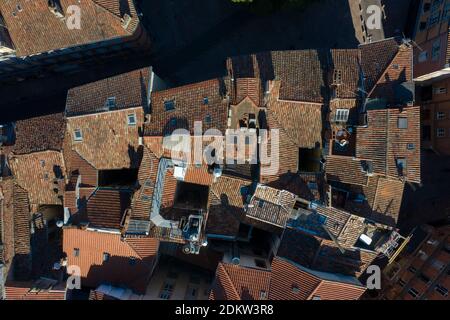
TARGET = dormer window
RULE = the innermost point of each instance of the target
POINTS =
(169, 105)
(111, 103)
(402, 123)
(131, 119)
(78, 135)
(341, 115)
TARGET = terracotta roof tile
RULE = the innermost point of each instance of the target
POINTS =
(79, 166)
(383, 142)
(302, 72)
(26, 291)
(106, 208)
(285, 281)
(271, 205)
(346, 72)
(143, 196)
(118, 270)
(204, 101)
(375, 58)
(40, 134)
(346, 170)
(41, 174)
(128, 89)
(99, 23)
(226, 205)
(110, 133)
(237, 283)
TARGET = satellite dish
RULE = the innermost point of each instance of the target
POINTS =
(59, 224)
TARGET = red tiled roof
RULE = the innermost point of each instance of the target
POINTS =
(105, 208)
(226, 205)
(285, 281)
(99, 22)
(346, 63)
(79, 166)
(118, 270)
(129, 89)
(189, 102)
(110, 133)
(143, 196)
(24, 291)
(40, 173)
(40, 134)
(302, 72)
(237, 283)
(383, 142)
(346, 170)
(375, 58)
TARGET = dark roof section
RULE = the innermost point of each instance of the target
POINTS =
(106, 207)
(125, 90)
(40, 134)
(375, 58)
(302, 72)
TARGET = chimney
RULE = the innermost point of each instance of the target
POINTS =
(55, 7)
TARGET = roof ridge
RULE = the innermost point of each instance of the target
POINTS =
(222, 265)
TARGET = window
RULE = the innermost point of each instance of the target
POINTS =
(110, 103)
(42, 162)
(295, 289)
(131, 119)
(402, 123)
(166, 291)
(413, 292)
(78, 135)
(401, 283)
(205, 100)
(208, 119)
(442, 290)
(440, 115)
(435, 51)
(440, 132)
(169, 105)
(410, 146)
(132, 261)
(106, 256)
(440, 90)
(76, 252)
(341, 115)
(426, 7)
(316, 298)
